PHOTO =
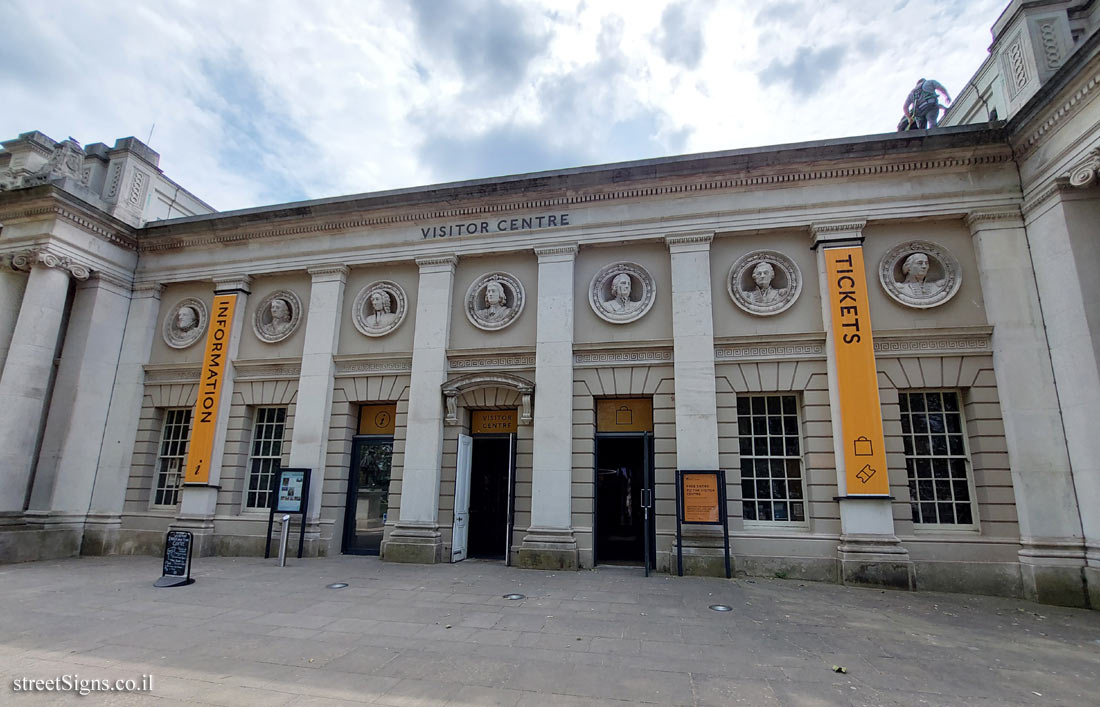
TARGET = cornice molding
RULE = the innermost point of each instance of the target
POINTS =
(328, 269)
(569, 249)
(647, 192)
(689, 241)
(1068, 109)
(237, 281)
(83, 222)
(437, 261)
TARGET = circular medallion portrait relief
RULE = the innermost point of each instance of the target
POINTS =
(379, 308)
(277, 316)
(764, 282)
(920, 274)
(494, 301)
(622, 292)
(184, 323)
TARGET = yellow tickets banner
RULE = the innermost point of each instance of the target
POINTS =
(204, 422)
(857, 378)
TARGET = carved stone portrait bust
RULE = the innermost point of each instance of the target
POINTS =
(764, 282)
(622, 292)
(920, 274)
(379, 308)
(494, 301)
(277, 316)
(185, 323)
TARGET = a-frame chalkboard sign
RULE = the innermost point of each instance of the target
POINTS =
(177, 559)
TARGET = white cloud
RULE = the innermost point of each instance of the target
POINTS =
(262, 102)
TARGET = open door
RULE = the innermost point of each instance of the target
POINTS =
(511, 500)
(462, 498)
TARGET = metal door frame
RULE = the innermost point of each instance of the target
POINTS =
(357, 443)
(510, 504)
(648, 483)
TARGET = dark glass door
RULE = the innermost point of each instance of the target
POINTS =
(368, 495)
(624, 472)
(490, 494)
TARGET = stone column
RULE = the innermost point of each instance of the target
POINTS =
(309, 438)
(25, 383)
(101, 529)
(12, 284)
(695, 397)
(200, 501)
(549, 543)
(67, 464)
(869, 551)
(416, 537)
(1052, 553)
(1064, 254)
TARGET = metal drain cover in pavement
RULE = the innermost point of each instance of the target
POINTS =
(514, 597)
(720, 607)
(337, 585)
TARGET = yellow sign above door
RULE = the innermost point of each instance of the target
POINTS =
(856, 375)
(624, 415)
(493, 421)
(377, 419)
(214, 361)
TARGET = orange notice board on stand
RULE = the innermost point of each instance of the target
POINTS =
(856, 375)
(205, 420)
(701, 503)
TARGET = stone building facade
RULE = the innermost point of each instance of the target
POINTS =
(509, 367)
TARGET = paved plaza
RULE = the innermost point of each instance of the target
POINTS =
(250, 633)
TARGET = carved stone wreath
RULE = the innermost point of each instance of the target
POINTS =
(900, 274)
(616, 304)
(492, 316)
(379, 308)
(277, 316)
(185, 323)
(773, 293)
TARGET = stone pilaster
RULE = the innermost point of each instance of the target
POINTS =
(696, 398)
(549, 543)
(199, 502)
(104, 521)
(869, 551)
(309, 439)
(75, 423)
(1052, 554)
(416, 537)
(12, 285)
(28, 371)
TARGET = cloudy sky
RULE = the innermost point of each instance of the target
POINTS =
(268, 101)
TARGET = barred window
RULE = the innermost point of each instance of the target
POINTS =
(935, 457)
(771, 459)
(172, 456)
(267, 451)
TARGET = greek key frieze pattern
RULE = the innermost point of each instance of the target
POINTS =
(756, 351)
(396, 365)
(941, 345)
(614, 357)
(272, 372)
(174, 375)
(526, 361)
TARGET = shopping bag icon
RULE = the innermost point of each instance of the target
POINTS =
(862, 447)
(624, 416)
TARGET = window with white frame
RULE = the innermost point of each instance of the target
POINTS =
(171, 457)
(771, 459)
(265, 456)
(933, 434)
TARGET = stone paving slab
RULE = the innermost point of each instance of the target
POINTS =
(251, 633)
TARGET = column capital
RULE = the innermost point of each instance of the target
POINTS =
(681, 242)
(557, 253)
(235, 281)
(825, 232)
(328, 272)
(996, 217)
(104, 279)
(148, 289)
(48, 258)
(437, 263)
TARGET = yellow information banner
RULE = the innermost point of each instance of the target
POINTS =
(857, 378)
(205, 420)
